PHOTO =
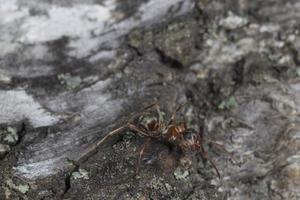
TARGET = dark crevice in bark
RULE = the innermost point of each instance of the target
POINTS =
(169, 61)
(135, 50)
(69, 177)
(295, 54)
(21, 133)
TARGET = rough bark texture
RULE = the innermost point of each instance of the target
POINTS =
(70, 72)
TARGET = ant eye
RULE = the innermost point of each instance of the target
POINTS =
(189, 135)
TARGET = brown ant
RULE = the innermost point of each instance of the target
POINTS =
(172, 132)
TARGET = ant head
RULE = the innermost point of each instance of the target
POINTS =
(191, 140)
(191, 135)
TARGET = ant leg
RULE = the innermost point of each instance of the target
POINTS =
(158, 117)
(143, 112)
(175, 112)
(151, 105)
(136, 115)
(94, 147)
(139, 124)
(141, 154)
(139, 131)
(113, 132)
(204, 155)
(220, 146)
(129, 126)
(157, 108)
(116, 131)
(144, 129)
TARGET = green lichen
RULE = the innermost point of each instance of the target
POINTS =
(168, 187)
(80, 174)
(181, 174)
(23, 188)
(11, 136)
(228, 103)
(71, 82)
(159, 184)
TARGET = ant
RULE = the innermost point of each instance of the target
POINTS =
(172, 133)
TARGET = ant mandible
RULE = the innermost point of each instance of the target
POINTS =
(172, 132)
